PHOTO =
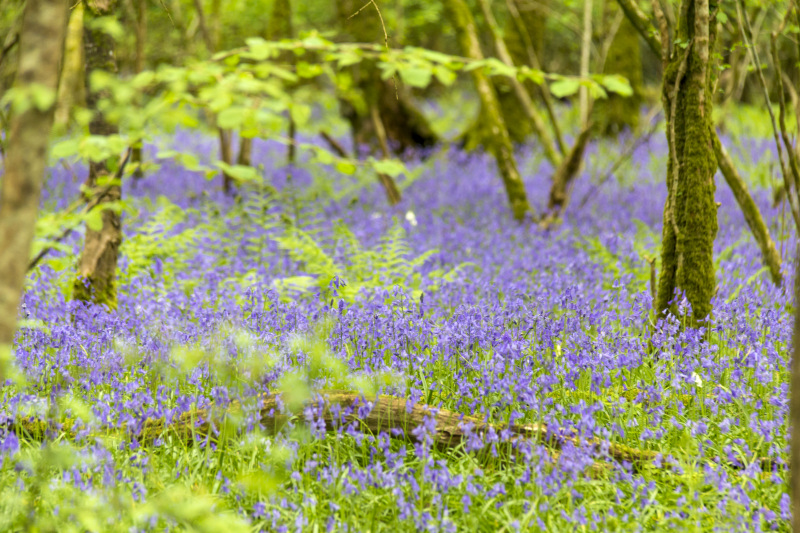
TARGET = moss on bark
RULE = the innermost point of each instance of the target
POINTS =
(690, 213)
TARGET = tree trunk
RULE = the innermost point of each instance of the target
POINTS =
(794, 408)
(141, 40)
(690, 213)
(617, 113)
(226, 154)
(564, 176)
(71, 86)
(639, 21)
(97, 266)
(406, 127)
(500, 146)
(40, 50)
(479, 133)
(752, 215)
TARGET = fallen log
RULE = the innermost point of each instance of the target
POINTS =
(396, 416)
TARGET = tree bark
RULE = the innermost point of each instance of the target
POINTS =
(71, 86)
(40, 52)
(96, 279)
(501, 146)
(690, 213)
(141, 41)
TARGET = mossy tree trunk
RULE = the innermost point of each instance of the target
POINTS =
(690, 213)
(618, 113)
(40, 50)
(500, 145)
(753, 216)
(97, 266)
(406, 127)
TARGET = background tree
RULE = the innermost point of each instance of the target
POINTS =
(363, 89)
(500, 146)
(659, 42)
(618, 113)
(97, 266)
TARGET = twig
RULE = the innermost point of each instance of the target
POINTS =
(385, 37)
(169, 15)
(334, 144)
(9, 45)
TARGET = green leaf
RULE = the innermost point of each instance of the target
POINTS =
(390, 167)
(94, 219)
(445, 76)
(300, 114)
(347, 58)
(240, 173)
(258, 49)
(345, 167)
(536, 76)
(617, 84)
(419, 77)
(43, 97)
(308, 70)
(565, 87)
(231, 118)
(65, 148)
(596, 90)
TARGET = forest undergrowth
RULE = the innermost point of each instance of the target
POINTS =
(306, 282)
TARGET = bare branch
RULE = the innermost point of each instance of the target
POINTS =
(642, 24)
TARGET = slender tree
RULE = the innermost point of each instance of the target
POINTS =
(70, 86)
(500, 146)
(141, 41)
(97, 266)
(40, 51)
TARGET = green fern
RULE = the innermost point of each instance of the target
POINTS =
(386, 265)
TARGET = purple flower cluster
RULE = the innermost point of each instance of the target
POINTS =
(552, 327)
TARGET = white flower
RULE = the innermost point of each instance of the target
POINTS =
(411, 218)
